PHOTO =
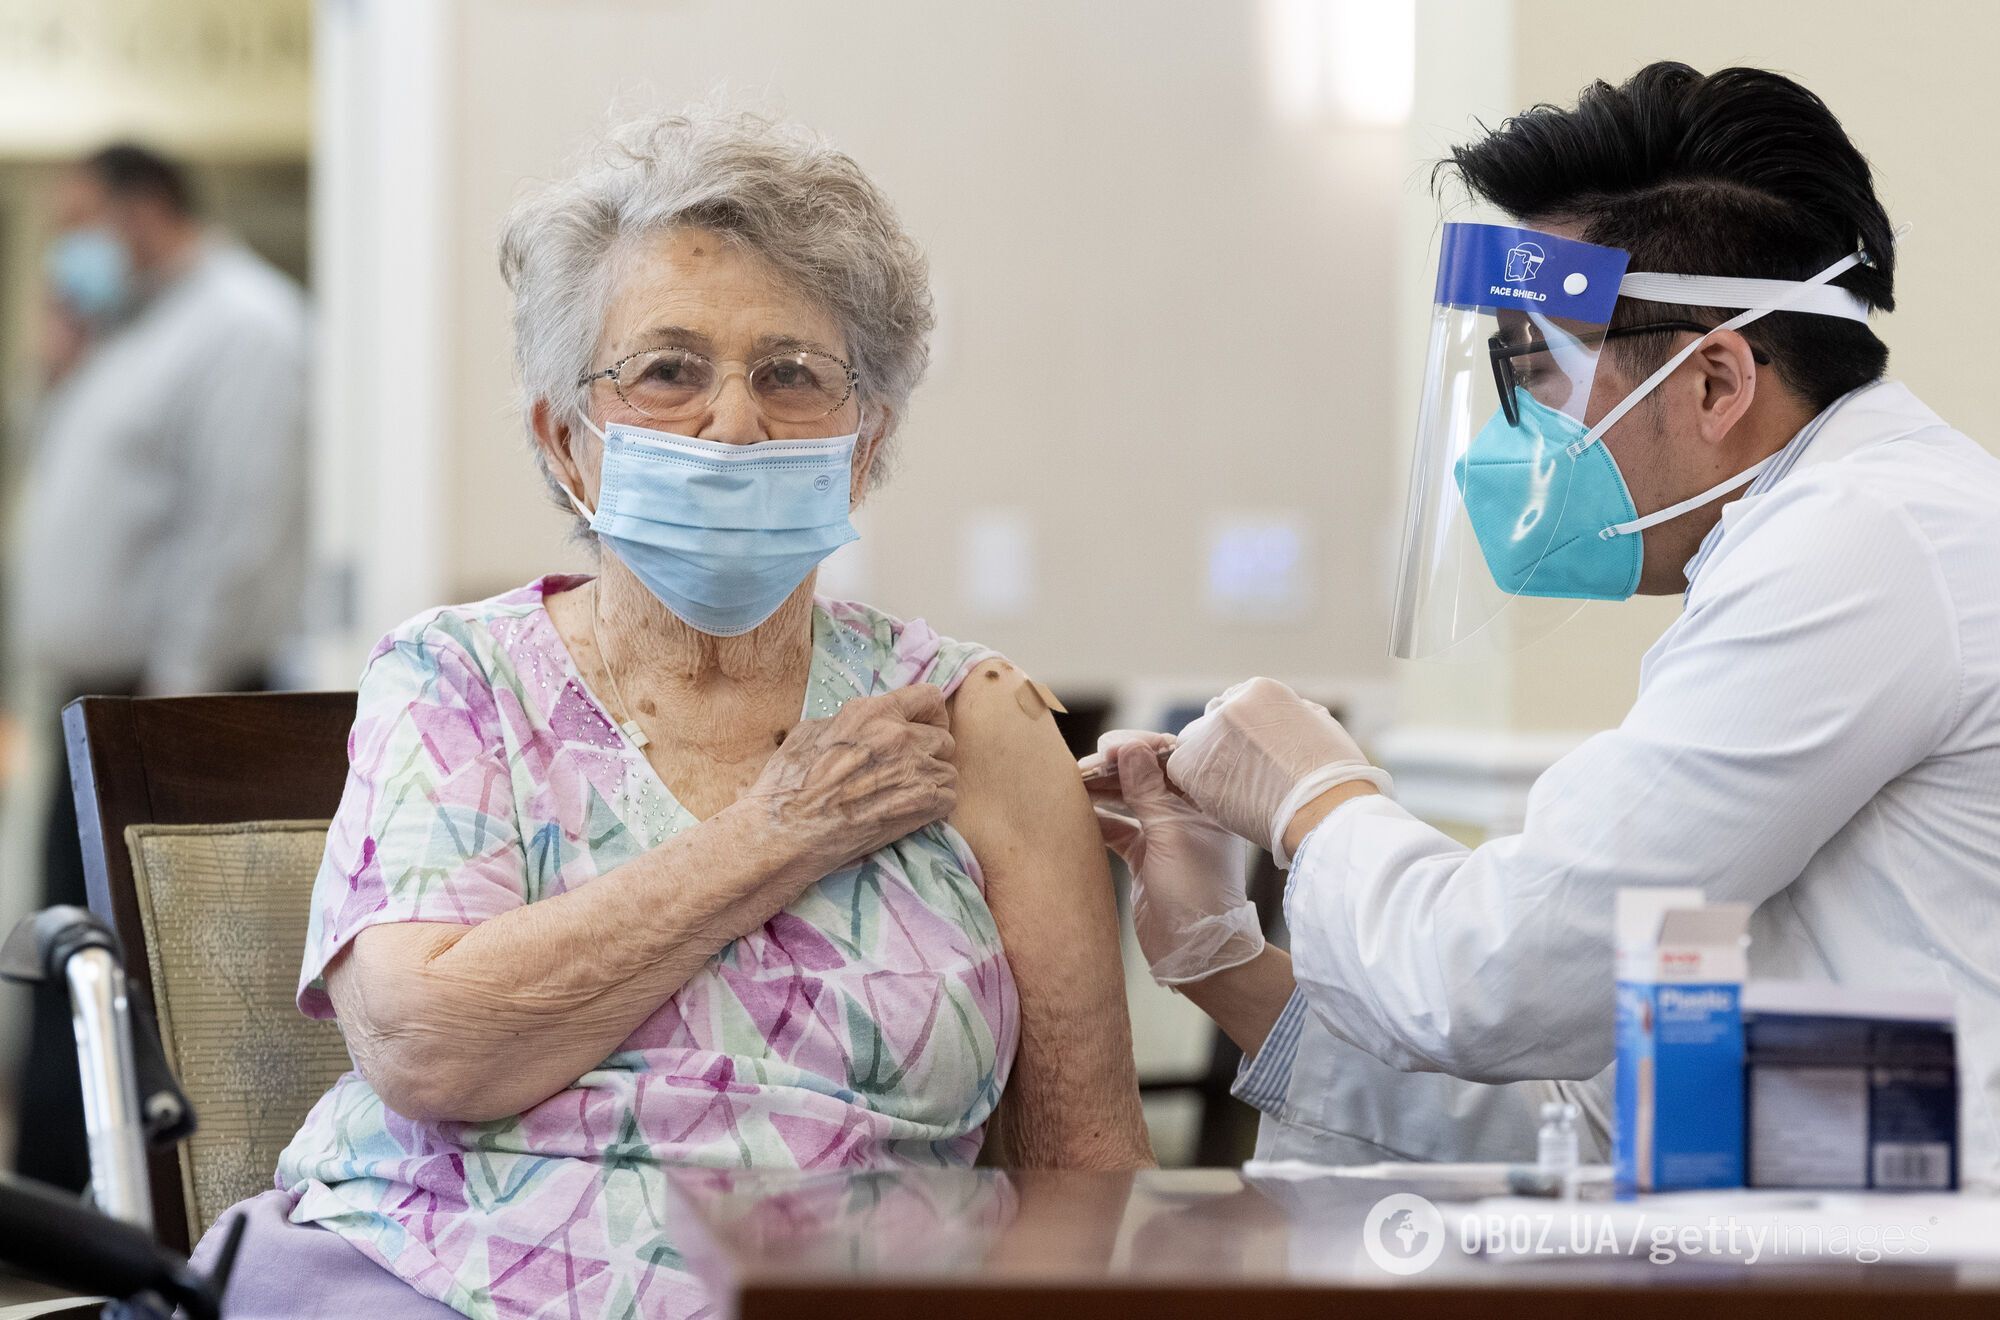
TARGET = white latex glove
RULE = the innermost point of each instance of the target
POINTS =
(1261, 754)
(1189, 908)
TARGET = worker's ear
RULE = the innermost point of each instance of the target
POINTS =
(1724, 385)
(560, 442)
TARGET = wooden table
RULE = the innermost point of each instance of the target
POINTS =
(972, 1244)
(24, 1299)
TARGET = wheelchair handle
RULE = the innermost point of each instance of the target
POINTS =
(72, 946)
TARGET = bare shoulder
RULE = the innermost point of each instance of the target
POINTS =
(1010, 754)
(1021, 803)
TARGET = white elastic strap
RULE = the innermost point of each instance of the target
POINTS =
(721, 449)
(1792, 292)
(576, 503)
(1310, 786)
(1729, 291)
(761, 452)
(1673, 511)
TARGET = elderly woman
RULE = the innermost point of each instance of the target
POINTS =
(678, 865)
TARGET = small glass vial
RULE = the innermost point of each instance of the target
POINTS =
(1556, 1155)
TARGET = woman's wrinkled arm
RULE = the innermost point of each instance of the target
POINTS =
(1072, 1099)
(471, 1023)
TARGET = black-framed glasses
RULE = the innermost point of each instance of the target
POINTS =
(678, 384)
(1503, 354)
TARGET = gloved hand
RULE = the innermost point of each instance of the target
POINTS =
(1189, 908)
(1259, 755)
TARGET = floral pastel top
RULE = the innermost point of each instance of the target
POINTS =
(870, 1024)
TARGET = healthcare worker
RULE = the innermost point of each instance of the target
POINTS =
(1661, 377)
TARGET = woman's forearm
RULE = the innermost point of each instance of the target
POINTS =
(1072, 1100)
(1245, 1001)
(478, 1022)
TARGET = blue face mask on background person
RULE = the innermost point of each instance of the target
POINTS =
(720, 533)
(92, 272)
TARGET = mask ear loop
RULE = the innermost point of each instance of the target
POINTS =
(1671, 512)
(576, 503)
(1796, 293)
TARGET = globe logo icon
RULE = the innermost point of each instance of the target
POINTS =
(1404, 1234)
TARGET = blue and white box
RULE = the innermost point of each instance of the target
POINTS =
(1681, 963)
(1850, 1087)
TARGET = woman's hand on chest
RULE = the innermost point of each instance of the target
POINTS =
(841, 788)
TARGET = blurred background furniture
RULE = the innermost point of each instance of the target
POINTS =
(203, 819)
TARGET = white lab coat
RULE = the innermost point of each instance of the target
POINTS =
(1818, 735)
(1342, 1106)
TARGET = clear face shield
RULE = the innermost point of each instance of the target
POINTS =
(1520, 321)
(1517, 513)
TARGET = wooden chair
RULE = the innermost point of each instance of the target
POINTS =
(146, 769)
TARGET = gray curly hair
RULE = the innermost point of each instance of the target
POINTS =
(776, 188)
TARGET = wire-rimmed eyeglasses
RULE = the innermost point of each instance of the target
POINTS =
(676, 384)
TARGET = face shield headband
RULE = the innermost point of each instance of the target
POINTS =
(1531, 496)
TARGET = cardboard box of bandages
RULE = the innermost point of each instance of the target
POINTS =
(1681, 963)
(1850, 1087)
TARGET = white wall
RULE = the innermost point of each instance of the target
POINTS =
(1156, 301)
(1159, 303)
(1459, 84)
(1103, 189)
(383, 402)
(1104, 193)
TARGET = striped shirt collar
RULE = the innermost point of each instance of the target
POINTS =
(1781, 465)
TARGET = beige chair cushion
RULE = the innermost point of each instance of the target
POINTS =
(224, 909)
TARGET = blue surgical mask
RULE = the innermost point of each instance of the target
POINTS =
(1552, 514)
(722, 534)
(92, 272)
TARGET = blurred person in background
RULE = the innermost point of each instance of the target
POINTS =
(157, 544)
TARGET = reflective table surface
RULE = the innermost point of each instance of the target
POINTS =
(1043, 1245)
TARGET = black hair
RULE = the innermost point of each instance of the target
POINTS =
(1741, 172)
(127, 169)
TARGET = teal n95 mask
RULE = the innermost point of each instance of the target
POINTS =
(1517, 512)
(721, 533)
